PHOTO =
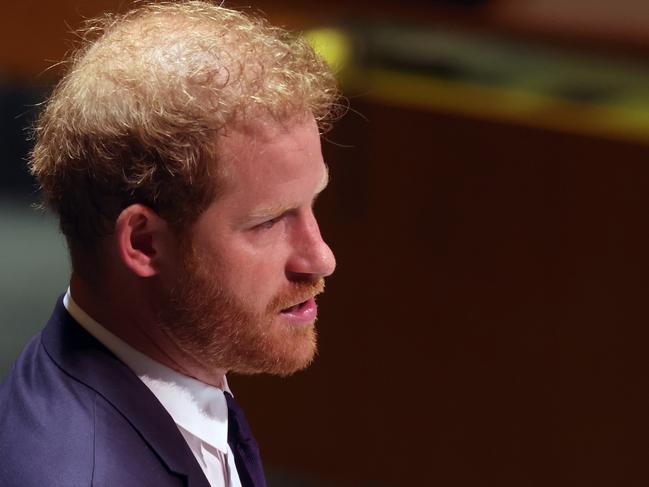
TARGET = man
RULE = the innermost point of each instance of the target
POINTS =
(181, 153)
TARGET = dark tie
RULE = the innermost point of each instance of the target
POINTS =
(244, 447)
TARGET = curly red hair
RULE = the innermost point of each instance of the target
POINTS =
(136, 117)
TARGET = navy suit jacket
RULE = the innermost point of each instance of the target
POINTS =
(72, 414)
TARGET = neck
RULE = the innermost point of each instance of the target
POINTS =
(128, 312)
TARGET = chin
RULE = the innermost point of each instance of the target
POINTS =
(284, 352)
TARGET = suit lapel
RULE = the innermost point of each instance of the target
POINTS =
(83, 357)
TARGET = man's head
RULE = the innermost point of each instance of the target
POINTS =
(183, 144)
(257, 260)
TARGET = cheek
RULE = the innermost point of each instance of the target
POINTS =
(256, 276)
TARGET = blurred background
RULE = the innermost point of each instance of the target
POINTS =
(488, 321)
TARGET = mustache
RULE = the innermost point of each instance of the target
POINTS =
(298, 292)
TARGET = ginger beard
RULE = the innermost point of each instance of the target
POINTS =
(222, 331)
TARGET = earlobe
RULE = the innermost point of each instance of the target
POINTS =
(138, 234)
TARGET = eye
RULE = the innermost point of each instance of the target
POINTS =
(268, 224)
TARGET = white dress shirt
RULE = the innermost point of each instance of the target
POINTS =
(198, 409)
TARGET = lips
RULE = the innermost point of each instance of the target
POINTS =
(294, 308)
(303, 312)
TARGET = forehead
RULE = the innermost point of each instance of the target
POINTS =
(266, 152)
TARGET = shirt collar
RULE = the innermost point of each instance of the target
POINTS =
(199, 408)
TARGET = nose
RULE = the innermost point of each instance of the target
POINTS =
(311, 258)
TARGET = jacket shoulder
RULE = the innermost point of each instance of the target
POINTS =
(57, 431)
(46, 424)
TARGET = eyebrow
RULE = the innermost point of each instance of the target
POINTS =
(269, 211)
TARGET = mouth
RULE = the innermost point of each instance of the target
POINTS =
(301, 313)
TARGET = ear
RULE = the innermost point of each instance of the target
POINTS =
(141, 238)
